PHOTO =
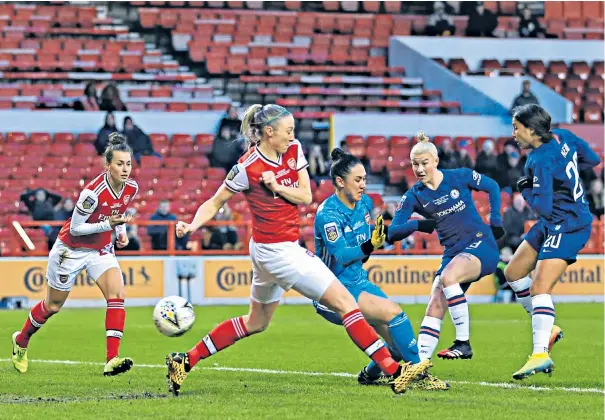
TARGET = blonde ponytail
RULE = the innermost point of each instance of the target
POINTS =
(424, 145)
(248, 129)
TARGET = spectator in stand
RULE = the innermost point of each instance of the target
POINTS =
(448, 157)
(103, 134)
(481, 22)
(465, 160)
(62, 213)
(132, 231)
(514, 222)
(227, 147)
(90, 100)
(526, 96)
(159, 234)
(138, 140)
(440, 23)
(225, 236)
(210, 241)
(41, 203)
(110, 99)
(504, 293)
(487, 160)
(595, 198)
(317, 162)
(231, 121)
(510, 167)
(529, 27)
(376, 211)
(389, 211)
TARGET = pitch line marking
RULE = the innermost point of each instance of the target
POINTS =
(338, 374)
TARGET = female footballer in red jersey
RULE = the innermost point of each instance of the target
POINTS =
(273, 177)
(84, 242)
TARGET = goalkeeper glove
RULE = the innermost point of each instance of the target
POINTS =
(377, 239)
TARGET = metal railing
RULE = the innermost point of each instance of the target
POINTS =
(21, 244)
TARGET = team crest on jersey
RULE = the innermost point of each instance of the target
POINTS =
(292, 163)
(400, 205)
(88, 203)
(368, 220)
(232, 173)
(126, 199)
(331, 231)
(479, 234)
(454, 194)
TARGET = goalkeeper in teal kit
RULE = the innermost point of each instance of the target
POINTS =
(344, 240)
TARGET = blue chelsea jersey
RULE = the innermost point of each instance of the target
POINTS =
(452, 206)
(557, 194)
(339, 229)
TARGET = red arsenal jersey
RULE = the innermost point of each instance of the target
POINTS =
(98, 201)
(274, 219)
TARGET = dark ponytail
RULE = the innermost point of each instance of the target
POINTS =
(535, 117)
(342, 163)
(117, 143)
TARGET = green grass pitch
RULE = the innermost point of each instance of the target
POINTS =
(301, 367)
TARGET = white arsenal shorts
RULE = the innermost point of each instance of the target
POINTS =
(284, 266)
(65, 263)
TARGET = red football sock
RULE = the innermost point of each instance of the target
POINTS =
(221, 337)
(367, 340)
(115, 316)
(36, 318)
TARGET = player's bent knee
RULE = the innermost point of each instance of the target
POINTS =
(256, 325)
(509, 274)
(392, 311)
(54, 306)
(447, 279)
(338, 298)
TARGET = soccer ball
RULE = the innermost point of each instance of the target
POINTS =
(173, 316)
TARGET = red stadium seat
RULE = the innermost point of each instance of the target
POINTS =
(84, 149)
(198, 162)
(151, 162)
(182, 140)
(217, 174)
(39, 138)
(174, 162)
(64, 138)
(16, 137)
(87, 137)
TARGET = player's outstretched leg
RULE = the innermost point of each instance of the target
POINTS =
(36, 318)
(115, 317)
(19, 357)
(112, 285)
(222, 336)
(543, 318)
(521, 288)
(337, 298)
(458, 307)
